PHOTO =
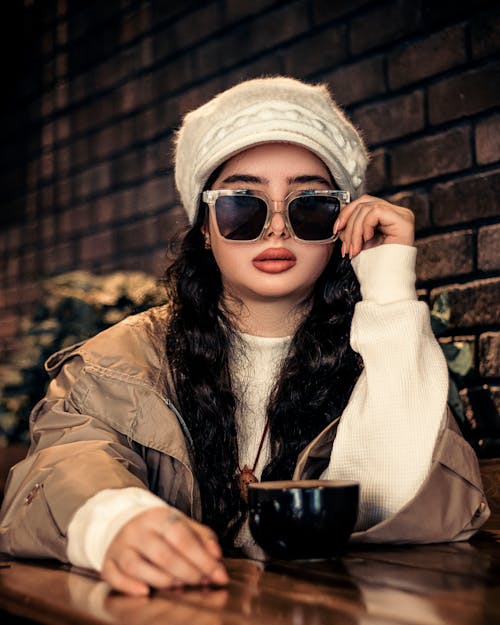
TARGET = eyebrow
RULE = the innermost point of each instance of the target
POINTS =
(305, 179)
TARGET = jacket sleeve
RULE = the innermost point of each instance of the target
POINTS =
(73, 456)
(450, 505)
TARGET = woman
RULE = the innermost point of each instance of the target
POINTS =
(150, 432)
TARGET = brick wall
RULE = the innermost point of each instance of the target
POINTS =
(96, 89)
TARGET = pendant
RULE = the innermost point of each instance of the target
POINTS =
(245, 478)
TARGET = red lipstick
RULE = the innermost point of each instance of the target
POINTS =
(275, 260)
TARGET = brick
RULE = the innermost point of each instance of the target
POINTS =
(145, 126)
(13, 268)
(173, 76)
(316, 52)
(9, 325)
(135, 94)
(47, 228)
(488, 248)
(385, 23)
(58, 258)
(64, 160)
(125, 204)
(77, 219)
(29, 292)
(489, 354)
(418, 202)
(63, 193)
(439, 154)
(96, 246)
(472, 92)
(156, 193)
(97, 179)
(445, 255)
(235, 10)
(135, 23)
(485, 34)
(472, 304)
(391, 118)
(466, 199)
(63, 128)
(264, 32)
(357, 81)
(326, 10)
(30, 264)
(104, 210)
(138, 236)
(80, 152)
(436, 13)
(198, 24)
(171, 223)
(430, 56)
(488, 140)
(376, 174)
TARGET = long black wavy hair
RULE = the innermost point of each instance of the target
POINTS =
(313, 387)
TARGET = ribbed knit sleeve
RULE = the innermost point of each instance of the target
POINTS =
(390, 426)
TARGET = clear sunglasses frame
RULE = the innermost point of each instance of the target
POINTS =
(210, 197)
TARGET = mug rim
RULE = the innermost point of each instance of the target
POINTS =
(285, 485)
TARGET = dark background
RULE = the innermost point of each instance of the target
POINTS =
(92, 91)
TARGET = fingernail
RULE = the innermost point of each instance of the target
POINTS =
(219, 575)
(351, 252)
(342, 251)
(335, 226)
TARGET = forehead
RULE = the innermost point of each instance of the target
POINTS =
(275, 159)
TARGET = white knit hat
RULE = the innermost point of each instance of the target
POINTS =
(264, 110)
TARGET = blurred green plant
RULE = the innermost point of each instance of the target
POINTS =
(478, 417)
(72, 308)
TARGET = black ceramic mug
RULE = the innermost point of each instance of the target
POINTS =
(303, 519)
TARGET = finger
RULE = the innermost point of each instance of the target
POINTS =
(186, 541)
(349, 226)
(208, 537)
(364, 223)
(137, 565)
(171, 562)
(121, 581)
(347, 211)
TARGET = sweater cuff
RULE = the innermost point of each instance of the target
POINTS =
(386, 273)
(98, 521)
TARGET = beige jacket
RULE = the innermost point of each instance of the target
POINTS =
(106, 422)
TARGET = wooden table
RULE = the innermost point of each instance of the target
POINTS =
(446, 584)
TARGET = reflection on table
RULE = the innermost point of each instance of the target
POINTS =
(455, 583)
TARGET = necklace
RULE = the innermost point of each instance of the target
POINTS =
(246, 475)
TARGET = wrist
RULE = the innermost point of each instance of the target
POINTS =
(386, 273)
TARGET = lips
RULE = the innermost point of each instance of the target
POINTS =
(275, 260)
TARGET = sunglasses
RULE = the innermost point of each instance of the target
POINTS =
(245, 214)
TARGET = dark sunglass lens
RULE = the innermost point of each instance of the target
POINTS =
(240, 217)
(312, 217)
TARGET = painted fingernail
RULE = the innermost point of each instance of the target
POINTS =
(335, 226)
(342, 251)
(351, 252)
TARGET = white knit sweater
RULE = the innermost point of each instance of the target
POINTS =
(387, 432)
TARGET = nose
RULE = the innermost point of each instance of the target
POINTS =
(277, 226)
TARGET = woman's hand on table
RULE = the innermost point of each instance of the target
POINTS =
(370, 221)
(163, 548)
